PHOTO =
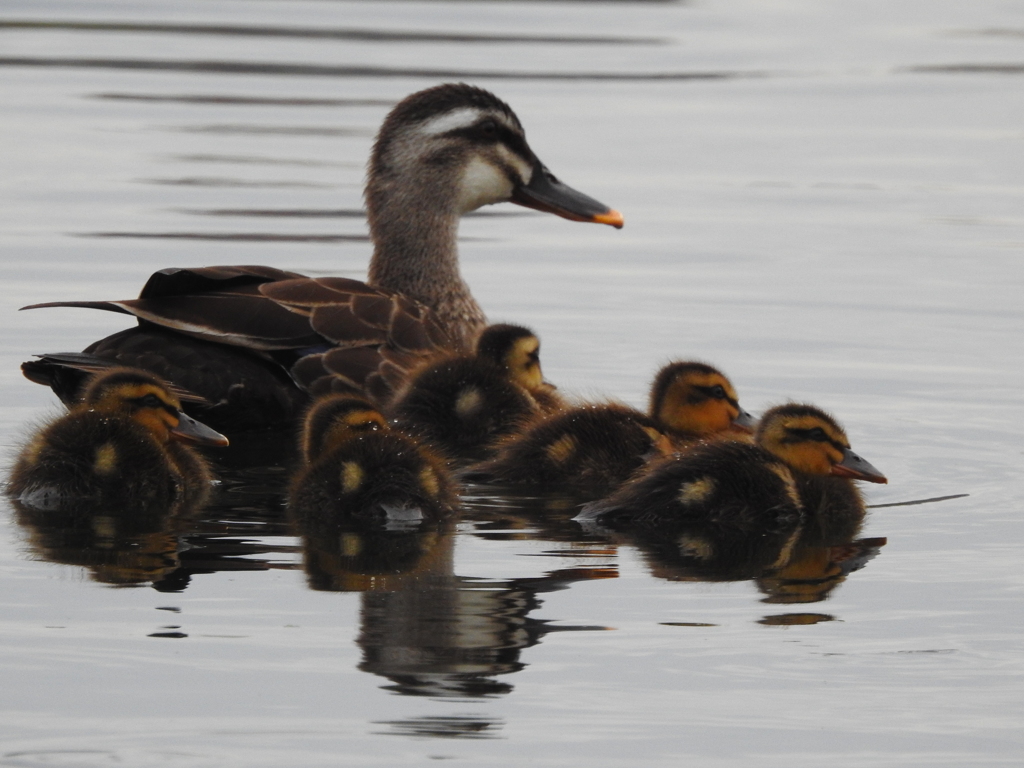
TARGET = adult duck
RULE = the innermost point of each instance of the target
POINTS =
(256, 342)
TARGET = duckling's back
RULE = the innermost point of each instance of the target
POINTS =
(592, 448)
(378, 477)
(462, 404)
(107, 458)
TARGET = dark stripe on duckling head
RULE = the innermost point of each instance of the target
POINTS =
(334, 419)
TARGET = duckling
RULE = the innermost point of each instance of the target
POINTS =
(728, 497)
(250, 339)
(125, 444)
(460, 404)
(359, 468)
(516, 350)
(597, 447)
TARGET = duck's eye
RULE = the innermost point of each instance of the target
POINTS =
(818, 434)
(488, 129)
(151, 401)
(718, 392)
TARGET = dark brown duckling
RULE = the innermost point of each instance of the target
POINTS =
(361, 469)
(460, 404)
(594, 448)
(728, 497)
(127, 443)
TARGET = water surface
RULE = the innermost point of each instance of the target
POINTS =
(823, 199)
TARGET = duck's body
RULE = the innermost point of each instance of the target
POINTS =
(119, 447)
(597, 447)
(440, 153)
(360, 469)
(462, 403)
(727, 496)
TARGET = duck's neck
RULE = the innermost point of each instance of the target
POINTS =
(415, 253)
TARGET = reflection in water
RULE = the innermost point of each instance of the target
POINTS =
(426, 629)
(220, 100)
(814, 571)
(369, 35)
(445, 727)
(127, 546)
(324, 70)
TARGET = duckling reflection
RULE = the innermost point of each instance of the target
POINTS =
(424, 628)
(122, 546)
(813, 572)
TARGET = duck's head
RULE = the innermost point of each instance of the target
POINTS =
(811, 441)
(149, 402)
(334, 420)
(457, 147)
(515, 349)
(697, 398)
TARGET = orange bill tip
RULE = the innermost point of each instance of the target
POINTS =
(610, 217)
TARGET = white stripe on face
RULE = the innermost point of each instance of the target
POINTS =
(482, 184)
(450, 121)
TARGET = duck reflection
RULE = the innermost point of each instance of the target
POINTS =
(426, 629)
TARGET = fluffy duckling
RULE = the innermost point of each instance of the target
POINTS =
(462, 403)
(125, 444)
(729, 496)
(358, 468)
(597, 447)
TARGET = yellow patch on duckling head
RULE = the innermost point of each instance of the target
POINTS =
(352, 476)
(695, 398)
(562, 449)
(469, 402)
(105, 459)
(696, 491)
(806, 440)
(695, 546)
(523, 362)
(429, 482)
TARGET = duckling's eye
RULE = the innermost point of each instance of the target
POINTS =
(151, 401)
(817, 434)
(718, 392)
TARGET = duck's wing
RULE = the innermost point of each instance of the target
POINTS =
(326, 334)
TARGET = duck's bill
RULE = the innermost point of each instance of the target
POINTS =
(196, 433)
(856, 468)
(745, 422)
(546, 193)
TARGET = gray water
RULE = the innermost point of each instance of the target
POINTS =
(824, 199)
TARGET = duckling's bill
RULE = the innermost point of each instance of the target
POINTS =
(856, 468)
(545, 192)
(195, 432)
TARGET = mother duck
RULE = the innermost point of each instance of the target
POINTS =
(256, 342)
